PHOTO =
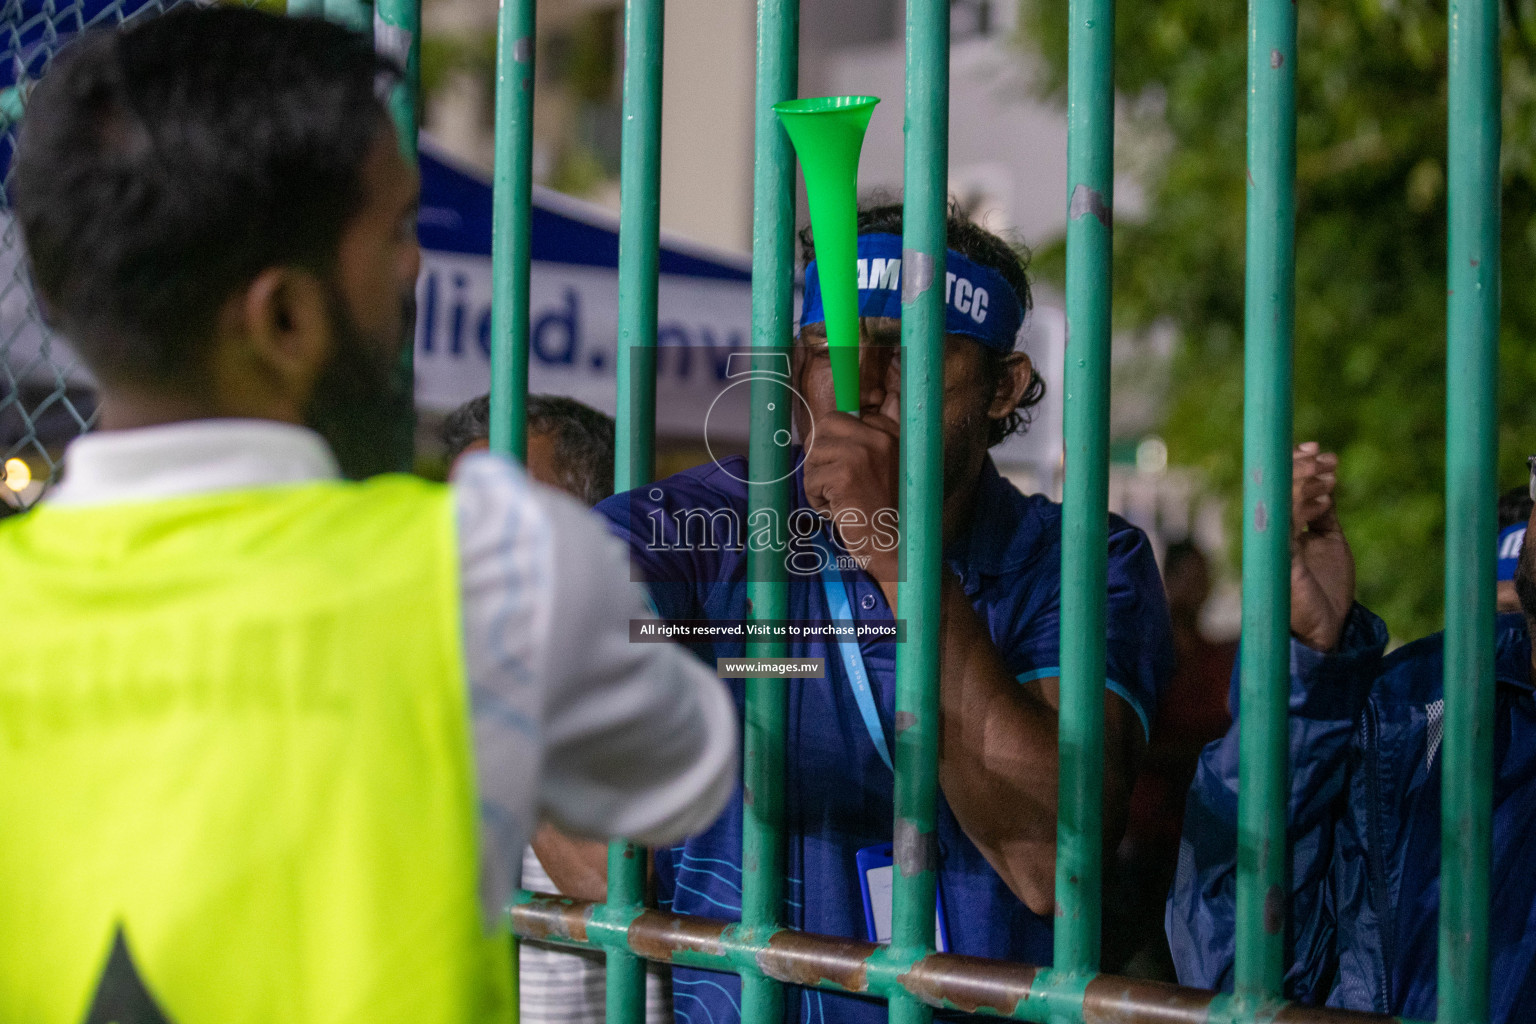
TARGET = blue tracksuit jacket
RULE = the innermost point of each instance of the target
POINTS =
(1364, 831)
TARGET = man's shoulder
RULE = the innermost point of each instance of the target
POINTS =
(508, 521)
(400, 486)
(1026, 534)
(495, 493)
(687, 531)
(712, 486)
(1415, 672)
(1011, 533)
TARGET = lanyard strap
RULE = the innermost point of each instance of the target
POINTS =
(853, 657)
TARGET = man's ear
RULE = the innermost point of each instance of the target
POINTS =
(285, 323)
(1018, 371)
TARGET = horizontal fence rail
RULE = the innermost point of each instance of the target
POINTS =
(946, 981)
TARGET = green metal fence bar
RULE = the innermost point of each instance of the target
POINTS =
(397, 34)
(1269, 307)
(13, 101)
(1471, 483)
(396, 29)
(639, 242)
(992, 988)
(511, 254)
(634, 457)
(625, 993)
(924, 238)
(773, 282)
(1269, 317)
(512, 225)
(1084, 595)
(356, 15)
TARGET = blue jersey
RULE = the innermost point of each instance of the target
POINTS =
(688, 536)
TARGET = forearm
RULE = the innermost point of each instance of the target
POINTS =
(1326, 695)
(1201, 914)
(997, 750)
(997, 755)
(578, 867)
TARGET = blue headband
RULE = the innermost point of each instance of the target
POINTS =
(978, 302)
(1510, 539)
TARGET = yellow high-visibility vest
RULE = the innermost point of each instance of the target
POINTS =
(236, 780)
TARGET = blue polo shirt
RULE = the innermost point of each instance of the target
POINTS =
(838, 796)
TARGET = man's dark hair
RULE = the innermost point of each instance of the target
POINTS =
(163, 165)
(974, 242)
(583, 439)
(467, 424)
(1515, 506)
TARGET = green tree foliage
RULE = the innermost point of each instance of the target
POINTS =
(443, 56)
(1370, 241)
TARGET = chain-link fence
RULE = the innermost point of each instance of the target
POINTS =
(46, 395)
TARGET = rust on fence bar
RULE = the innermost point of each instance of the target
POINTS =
(817, 961)
(943, 980)
(657, 936)
(969, 983)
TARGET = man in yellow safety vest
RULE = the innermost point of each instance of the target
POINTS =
(272, 742)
